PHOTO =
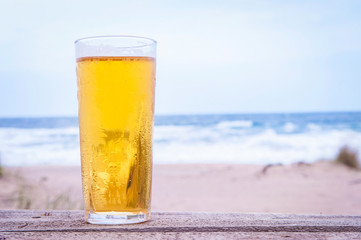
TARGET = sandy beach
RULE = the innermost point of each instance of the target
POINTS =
(319, 188)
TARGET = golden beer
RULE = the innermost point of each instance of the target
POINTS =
(116, 104)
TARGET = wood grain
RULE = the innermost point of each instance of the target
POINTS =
(37, 224)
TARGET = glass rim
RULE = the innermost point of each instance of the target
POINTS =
(151, 41)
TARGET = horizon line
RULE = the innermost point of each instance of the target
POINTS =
(199, 114)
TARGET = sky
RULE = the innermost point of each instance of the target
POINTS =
(213, 56)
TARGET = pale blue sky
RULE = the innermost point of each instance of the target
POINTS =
(213, 56)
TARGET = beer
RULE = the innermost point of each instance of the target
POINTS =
(116, 104)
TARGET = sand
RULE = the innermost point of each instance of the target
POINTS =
(319, 188)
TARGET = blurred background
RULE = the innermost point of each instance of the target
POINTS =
(238, 82)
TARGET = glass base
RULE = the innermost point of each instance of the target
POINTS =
(113, 218)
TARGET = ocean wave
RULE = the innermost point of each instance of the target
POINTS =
(235, 124)
(313, 127)
(267, 147)
(31, 146)
(289, 127)
(188, 144)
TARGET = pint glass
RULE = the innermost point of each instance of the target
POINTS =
(116, 80)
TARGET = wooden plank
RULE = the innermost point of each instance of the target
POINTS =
(35, 224)
(177, 235)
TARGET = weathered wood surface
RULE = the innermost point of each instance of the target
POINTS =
(28, 224)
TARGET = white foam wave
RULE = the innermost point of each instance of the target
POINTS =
(289, 127)
(55, 146)
(185, 144)
(268, 147)
(313, 127)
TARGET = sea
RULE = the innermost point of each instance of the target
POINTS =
(182, 139)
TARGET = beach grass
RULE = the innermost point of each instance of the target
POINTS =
(37, 195)
(63, 201)
(24, 196)
(348, 157)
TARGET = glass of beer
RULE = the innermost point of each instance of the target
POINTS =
(116, 81)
